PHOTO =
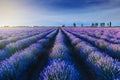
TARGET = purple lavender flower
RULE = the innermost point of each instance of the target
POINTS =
(60, 51)
(105, 67)
(19, 45)
(60, 70)
(17, 64)
(114, 50)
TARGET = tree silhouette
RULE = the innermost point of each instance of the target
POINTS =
(96, 24)
(63, 25)
(110, 24)
(81, 25)
(102, 24)
(92, 24)
(74, 24)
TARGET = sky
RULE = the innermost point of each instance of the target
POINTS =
(58, 12)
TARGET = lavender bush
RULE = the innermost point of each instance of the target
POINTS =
(44, 53)
(105, 67)
(60, 64)
(60, 70)
(19, 45)
(18, 64)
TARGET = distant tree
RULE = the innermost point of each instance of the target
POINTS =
(96, 24)
(110, 24)
(102, 24)
(74, 24)
(63, 25)
(81, 25)
(93, 25)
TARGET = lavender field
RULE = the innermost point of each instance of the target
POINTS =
(59, 54)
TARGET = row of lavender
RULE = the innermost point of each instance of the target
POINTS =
(21, 55)
(15, 34)
(104, 66)
(6, 33)
(17, 58)
(111, 49)
(109, 34)
(60, 66)
(13, 47)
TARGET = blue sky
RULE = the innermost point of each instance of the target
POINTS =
(58, 12)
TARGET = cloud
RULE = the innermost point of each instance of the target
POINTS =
(58, 12)
(79, 4)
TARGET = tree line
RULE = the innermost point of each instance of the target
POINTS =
(102, 24)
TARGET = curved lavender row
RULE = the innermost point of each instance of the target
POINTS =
(45, 41)
(19, 45)
(88, 45)
(105, 38)
(60, 70)
(112, 50)
(6, 33)
(60, 49)
(3, 43)
(60, 66)
(108, 34)
(14, 32)
(105, 67)
(19, 63)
